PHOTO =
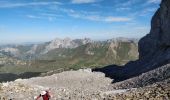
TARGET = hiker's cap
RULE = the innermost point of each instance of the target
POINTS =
(43, 92)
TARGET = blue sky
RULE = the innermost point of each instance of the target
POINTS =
(43, 20)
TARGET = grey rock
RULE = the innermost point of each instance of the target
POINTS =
(154, 48)
(159, 36)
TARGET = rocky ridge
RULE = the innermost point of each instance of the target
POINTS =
(43, 48)
(60, 43)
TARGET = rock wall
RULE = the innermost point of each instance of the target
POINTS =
(159, 36)
(154, 48)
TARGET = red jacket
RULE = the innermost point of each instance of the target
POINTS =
(45, 97)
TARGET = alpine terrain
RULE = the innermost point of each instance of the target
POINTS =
(104, 70)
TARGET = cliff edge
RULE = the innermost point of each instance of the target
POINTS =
(154, 48)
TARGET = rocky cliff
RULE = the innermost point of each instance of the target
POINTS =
(154, 48)
(66, 43)
(150, 74)
(158, 40)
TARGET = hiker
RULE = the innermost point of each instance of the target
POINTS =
(45, 95)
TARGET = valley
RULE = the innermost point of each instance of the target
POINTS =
(67, 54)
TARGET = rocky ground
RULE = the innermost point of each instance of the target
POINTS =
(80, 85)
(158, 91)
(73, 85)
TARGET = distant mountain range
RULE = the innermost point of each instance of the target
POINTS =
(73, 53)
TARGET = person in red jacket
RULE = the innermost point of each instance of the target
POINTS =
(45, 95)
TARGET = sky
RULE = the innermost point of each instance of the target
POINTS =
(44, 20)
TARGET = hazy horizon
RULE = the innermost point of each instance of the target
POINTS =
(41, 21)
(39, 42)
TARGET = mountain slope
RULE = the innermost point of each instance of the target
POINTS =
(78, 85)
(94, 54)
(154, 48)
(64, 55)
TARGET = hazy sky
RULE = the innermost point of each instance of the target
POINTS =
(43, 20)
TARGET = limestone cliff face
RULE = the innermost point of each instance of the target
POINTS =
(154, 48)
(159, 37)
(154, 54)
